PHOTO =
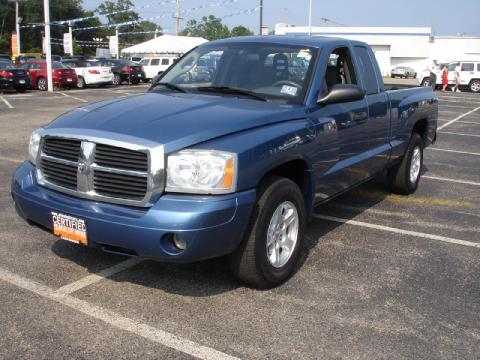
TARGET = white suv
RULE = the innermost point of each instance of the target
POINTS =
(156, 65)
(469, 75)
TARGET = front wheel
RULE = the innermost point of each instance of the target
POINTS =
(117, 79)
(475, 86)
(268, 255)
(404, 177)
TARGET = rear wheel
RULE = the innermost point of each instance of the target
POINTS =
(475, 86)
(81, 83)
(425, 82)
(268, 255)
(404, 177)
(42, 84)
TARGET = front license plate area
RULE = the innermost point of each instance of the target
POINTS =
(69, 228)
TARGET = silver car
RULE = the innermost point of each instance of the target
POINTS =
(403, 72)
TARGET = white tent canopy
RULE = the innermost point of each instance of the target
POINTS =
(165, 44)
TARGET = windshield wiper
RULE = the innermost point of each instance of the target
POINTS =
(231, 90)
(170, 86)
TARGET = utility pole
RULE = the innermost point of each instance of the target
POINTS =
(178, 18)
(46, 10)
(310, 18)
(261, 17)
(118, 42)
(70, 24)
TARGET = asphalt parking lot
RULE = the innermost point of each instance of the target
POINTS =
(382, 276)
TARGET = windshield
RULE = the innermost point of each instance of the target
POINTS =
(274, 72)
(58, 65)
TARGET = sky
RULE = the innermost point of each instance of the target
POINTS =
(445, 17)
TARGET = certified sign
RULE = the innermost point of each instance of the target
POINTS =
(69, 228)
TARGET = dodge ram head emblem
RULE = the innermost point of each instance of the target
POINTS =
(82, 168)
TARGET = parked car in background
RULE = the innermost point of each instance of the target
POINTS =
(88, 74)
(403, 72)
(13, 78)
(54, 57)
(135, 59)
(5, 57)
(156, 65)
(469, 75)
(22, 59)
(235, 165)
(123, 70)
(62, 76)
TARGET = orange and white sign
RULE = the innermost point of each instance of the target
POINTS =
(14, 45)
(69, 228)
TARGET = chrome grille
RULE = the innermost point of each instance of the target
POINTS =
(60, 174)
(101, 169)
(126, 186)
(120, 158)
(62, 148)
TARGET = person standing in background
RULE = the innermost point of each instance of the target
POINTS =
(433, 75)
(457, 79)
(444, 77)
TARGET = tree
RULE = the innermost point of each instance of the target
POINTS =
(240, 30)
(210, 28)
(121, 10)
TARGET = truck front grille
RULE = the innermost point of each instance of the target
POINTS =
(120, 158)
(95, 170)
(59, 174)
(62, 148)
(119, 185)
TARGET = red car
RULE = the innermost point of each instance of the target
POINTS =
(62, 76)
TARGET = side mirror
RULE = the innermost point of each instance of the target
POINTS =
(342, 93)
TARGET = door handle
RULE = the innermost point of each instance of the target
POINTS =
(360, 116)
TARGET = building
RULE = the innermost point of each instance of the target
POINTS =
(400, 46)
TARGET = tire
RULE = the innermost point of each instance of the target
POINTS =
(42, 84)
(117, 80)
(425, 82)
(475, 86)
(254, 264)
(404, 177)
(135, 82)
(81, 83)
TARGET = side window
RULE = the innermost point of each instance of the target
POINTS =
(478, 67)
(366, 68)
(452, 66)
(467, 67)
(165, 62)
(340, 69)
(155, 62)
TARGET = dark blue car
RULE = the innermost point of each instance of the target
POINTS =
(231, 163)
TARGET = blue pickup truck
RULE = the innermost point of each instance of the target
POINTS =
(228, 161)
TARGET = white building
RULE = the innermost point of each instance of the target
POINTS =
(394, 46)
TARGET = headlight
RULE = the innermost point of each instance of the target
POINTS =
(202, 172)
(34, 145)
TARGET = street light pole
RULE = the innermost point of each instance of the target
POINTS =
(310, 18)
(46, 10)
(17, 26)
(118, 42)
(261, 17)
(70, 24)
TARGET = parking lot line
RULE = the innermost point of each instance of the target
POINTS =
(101, 275)
(457, 118)
(460, 134)
(74, 97)
(3, 158)
(114, 319)
(451, 180)
(453, 151)
(6, 102)
(398, 231)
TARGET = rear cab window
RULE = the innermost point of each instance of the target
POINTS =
(367, 70)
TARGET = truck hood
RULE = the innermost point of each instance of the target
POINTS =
(175, 120)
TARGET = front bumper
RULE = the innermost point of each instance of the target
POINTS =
(212, 226)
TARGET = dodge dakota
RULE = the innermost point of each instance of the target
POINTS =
(230, 162)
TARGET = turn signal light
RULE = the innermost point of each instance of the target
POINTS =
(94, 72)
(7, 74)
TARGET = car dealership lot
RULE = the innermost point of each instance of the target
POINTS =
(382, 276)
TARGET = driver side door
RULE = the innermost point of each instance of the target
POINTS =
(342, 132)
